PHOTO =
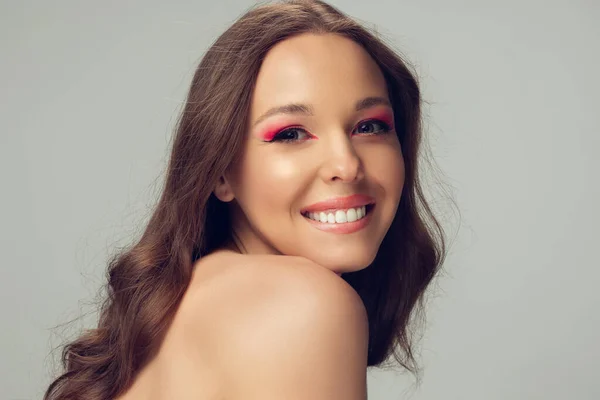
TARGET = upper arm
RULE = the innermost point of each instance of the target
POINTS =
(304, 335)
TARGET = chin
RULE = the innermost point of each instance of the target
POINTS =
(344, 260)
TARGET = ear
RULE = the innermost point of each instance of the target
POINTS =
(223, 190)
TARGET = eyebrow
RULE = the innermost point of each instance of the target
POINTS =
(307, 109)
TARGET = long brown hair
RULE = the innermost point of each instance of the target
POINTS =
(147, 280)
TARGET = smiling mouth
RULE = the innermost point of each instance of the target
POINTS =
(339, 217)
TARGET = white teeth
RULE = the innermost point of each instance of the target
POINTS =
(339, 216)
(322, 217)
(352, 215)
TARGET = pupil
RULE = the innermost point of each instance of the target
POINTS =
(290, 134)
(365, 124)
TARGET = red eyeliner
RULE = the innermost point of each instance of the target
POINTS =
(274, 129)
(383, 116)
(270, 132)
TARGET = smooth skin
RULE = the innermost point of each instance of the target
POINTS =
(276, 322)
(331, 156)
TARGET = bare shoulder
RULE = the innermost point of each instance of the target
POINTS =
(285, 327)
(229, 279)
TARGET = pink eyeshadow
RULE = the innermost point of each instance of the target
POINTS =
(273, 129)
(383, 116)
(269, 133)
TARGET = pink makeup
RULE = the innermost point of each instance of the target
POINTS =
(268, 132)
(384, 116)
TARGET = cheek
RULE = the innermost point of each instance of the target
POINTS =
(386, 167)
(268, 181)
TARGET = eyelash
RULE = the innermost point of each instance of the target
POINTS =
(277, 137)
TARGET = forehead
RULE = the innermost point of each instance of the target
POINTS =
(329, 71)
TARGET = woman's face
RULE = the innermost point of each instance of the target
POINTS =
(340, 142)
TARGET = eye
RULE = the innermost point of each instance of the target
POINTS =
(384, 127)
(290, 135)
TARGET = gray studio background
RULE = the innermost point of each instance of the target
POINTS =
(89, 94)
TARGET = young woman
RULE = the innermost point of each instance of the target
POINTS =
(291, 243)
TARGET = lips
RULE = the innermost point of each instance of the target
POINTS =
(340, 203)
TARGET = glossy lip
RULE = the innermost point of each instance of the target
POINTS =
(340, 203)
(346, 227)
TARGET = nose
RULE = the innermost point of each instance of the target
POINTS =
(341, 161)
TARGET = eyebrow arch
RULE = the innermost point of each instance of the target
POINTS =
(307, 109)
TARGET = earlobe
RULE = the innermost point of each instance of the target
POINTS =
(223, 190)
